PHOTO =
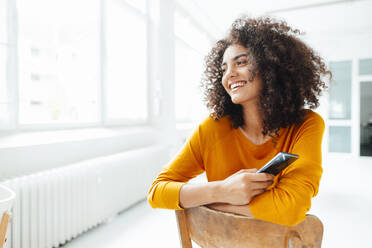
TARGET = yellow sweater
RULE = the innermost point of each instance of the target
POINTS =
(220, 150)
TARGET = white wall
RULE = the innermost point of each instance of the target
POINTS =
(336, 31)
(27, 153)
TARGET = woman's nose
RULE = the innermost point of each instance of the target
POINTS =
(230, 72)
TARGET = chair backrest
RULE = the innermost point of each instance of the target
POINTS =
(214, 229)
(6, 202)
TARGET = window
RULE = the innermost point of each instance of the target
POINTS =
(4, 47)
(340, 107)
(59, 66)
(4, 114)
(191, 47)
(351, 78)
(73, 63)
(340, 139)
(340, 91)
(126, 75)
(3, 22)
(189, 65)
(365, 69)
(138, 4)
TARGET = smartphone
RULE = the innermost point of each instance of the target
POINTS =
(278, 163)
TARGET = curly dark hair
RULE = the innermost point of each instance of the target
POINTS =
(291, 72)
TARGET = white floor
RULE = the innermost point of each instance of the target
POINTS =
(139, 226)
(344, 204)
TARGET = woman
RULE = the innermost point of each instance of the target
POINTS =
(258, 81)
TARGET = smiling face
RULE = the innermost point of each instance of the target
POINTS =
(237, 67)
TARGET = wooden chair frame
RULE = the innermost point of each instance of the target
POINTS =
(3, 228)
(214, 229)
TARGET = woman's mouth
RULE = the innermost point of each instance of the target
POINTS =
(237, 85)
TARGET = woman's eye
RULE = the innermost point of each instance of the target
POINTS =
(242, 62)
(223, 70)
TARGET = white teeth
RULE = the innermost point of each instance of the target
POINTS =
(237, 84)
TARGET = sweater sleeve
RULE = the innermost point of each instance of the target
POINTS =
(188, 163)
(288, 201)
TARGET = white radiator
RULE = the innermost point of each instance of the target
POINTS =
(54, 206)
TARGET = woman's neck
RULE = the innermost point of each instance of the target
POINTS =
(252, 119)
(253, 125)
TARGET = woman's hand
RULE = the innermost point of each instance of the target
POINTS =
(241, 187)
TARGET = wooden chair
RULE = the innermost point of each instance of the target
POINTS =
(3, 228)
(213, 229)
(6, 202)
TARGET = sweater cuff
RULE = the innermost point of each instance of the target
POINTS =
(174, 195)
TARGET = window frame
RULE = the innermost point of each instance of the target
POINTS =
(11, 66)
(103, 120)
(354, 122)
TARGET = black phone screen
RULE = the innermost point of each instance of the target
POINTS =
(278, 163)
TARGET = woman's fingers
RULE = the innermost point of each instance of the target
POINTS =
(261, 185)
(242, 186)
(255, 176)
(264, 177)
(245, 171)
(257, 192)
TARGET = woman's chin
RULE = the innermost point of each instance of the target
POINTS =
(240, 100)
(236, 100)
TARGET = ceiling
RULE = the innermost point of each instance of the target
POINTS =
(331, 14)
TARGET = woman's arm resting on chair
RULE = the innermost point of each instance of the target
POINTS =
(238, 189)
(224, 207)
(193, 195)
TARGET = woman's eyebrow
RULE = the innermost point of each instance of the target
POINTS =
(235, 58)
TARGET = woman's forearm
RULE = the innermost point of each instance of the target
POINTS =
(194, 195)
(238, 189)
(235, 209)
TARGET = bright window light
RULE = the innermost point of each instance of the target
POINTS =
(3, 21)
(138, 4)
(126, 74)
(58, 46)
(191, 47)
(189, 68)
(186, 30)
(4, 100)
(340, 91)
(4, 105)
